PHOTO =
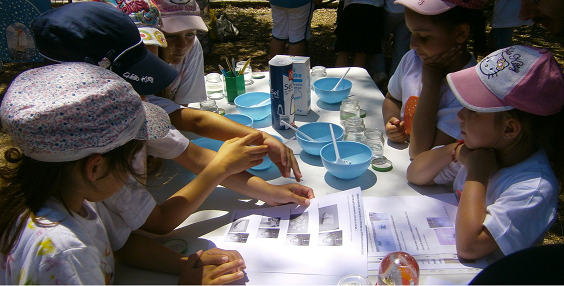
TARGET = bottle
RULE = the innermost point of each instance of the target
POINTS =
(398, 268)
(317, 72)
(349, 108)
(354, 129)
(374, 138)
(214, 86)
(209, 105)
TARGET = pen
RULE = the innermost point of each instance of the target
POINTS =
(245, 66)
(223, 71)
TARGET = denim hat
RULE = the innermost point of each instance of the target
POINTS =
(521, 77)
(146, 16)
(65, 112)
(102, 35)
(180, 15)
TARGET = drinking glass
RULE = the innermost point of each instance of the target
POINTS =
(214, 86)
(248, 72)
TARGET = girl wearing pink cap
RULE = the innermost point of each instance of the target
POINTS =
(419, 106)
(508, 171)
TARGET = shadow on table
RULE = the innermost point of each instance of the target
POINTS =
(364, 181)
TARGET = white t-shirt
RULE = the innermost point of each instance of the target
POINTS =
(521, 201)
(190, 85)
(69, 250)
(406, 82)
(168, 105)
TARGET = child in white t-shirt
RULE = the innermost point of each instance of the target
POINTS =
(419, 106)
(508, 171)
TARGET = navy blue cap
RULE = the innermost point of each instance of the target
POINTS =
(99, 34)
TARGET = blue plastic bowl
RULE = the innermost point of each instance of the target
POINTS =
(359, 154)
(320, 132)
(246, 100)
(267, 163)
(323, 90)
(241, 118)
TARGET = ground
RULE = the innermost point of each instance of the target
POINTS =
(254, 25)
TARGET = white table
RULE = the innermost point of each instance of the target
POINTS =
(214, 213)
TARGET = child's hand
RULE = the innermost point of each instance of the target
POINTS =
(217, 256)
(482, 162)
(210, 274)
(444, 59)
(395, 130)
(236, 155)
(289, 193)
(282, 156)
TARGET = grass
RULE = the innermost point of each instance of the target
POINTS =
(254, 25)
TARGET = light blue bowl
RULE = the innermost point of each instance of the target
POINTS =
(267, 163)
(320, 132)
(323, 90)
(359, 154)
(241, 118)
(246, 100)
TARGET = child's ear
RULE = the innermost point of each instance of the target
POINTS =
(462, 33)
(512, 128)
(93, 167)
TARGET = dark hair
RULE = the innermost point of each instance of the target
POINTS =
(457, 16)
(542, 131)
(28, 183)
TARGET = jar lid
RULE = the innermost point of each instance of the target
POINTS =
(362, 113)
(382, 164)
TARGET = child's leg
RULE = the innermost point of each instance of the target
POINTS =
(277, 47)
(342, 59)
(359, 60)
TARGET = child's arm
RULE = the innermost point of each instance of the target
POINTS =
(233, 157)
(391, 111)
(215, 126)
(473, 240)
(146, 253)
(424, 132)
(427, 165)
(168, 215)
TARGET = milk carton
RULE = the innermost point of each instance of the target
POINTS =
(302, 92)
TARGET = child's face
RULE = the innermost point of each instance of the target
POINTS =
(427, 38)
(479, 129)
(179, 45)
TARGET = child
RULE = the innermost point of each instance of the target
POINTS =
(439, 36)
(181, 22)
(291, 26)
(359, 31)
(72, 32)
(509, 169)
(79, 127)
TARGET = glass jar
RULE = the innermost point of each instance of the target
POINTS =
(209, 105)
(374, 138)
(349, 108)
(317, 72)
(214, 86)
(354, 129)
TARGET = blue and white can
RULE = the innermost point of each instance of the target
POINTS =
(281, 92)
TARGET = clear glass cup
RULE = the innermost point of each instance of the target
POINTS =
(349, 108)
(209, 105)
(374, 138)
(317, 72)
(214, 86)
(248, 72)
(354, 129)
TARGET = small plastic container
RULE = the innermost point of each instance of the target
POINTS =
(349, 108)
(317, 72)
(214, 86)
(354, 129)
(209, 105)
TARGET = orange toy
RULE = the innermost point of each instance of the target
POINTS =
(409, 112)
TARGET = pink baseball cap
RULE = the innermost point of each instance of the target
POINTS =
(521, 77)
(427, 7)
(180, 15)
